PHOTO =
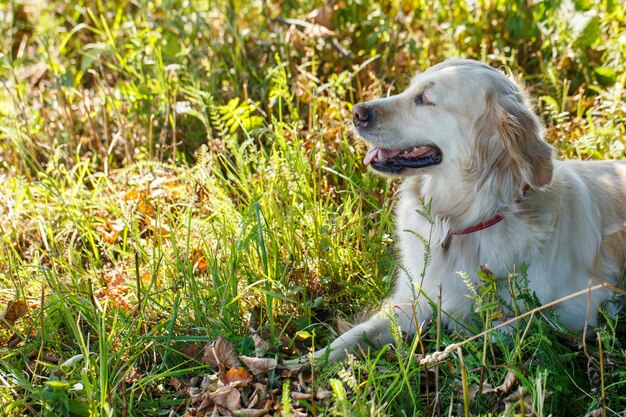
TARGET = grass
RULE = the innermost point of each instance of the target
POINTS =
(176, 171)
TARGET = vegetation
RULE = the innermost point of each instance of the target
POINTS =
(176, 171)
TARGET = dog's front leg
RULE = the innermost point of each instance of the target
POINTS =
(373, 333)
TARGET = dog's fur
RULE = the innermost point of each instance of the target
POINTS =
(569, 227)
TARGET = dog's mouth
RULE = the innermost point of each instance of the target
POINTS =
(394, 161)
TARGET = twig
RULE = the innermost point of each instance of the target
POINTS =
(463, 382)
(439, 356)
(317, 31)
(600, 354)
(17, 396)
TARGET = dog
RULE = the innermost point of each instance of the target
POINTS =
(482, 188)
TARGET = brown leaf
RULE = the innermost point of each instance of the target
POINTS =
(134, 195)
(474, 389)
(258, 397)
(259, 366)
(13, 312)
(200, 264)
(323, 16)
(509, 382)
(301, 395)
(111, 232)
(227, 397)
(206, 403)
(237, 377)
(33, 73)
(193, 351)
(323, 394)
(221, 352)
(14, 340)
(176, 383)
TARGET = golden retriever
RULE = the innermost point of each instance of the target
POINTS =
(482, 187)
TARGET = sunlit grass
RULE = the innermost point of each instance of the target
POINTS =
(171, 172)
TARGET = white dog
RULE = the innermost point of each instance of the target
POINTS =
(482, 188)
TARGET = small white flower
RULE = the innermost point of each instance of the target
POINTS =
(182, 107)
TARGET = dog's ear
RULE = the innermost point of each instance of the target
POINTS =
(508, 140)
(523, 137)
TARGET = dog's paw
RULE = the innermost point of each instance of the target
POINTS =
(299, 364)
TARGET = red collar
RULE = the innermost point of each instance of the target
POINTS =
(480, 226)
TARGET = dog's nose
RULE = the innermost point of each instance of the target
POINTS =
(361, 115)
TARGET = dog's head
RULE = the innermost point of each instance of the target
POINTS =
(460, 117)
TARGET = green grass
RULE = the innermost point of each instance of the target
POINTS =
(176, 171)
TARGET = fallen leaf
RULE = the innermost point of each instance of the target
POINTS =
(323, 394)
(201, 192)
(14, 340)
(513, 400)
(13, 312)
(259, 366)
(509, 382)
(146, 277)
(227, 397)
(301, 395)
(134, 195)
(259, 396)
(221, 352)
(33, 73)
(474, 389)
(158, 226)
(323, 16)
(176, 383)
(145, 208)
(200, 263)
(193, 351)
(237, 377)
(112, 231)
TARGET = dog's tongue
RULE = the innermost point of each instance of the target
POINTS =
(375, 151)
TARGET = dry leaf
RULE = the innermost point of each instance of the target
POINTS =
(13, 312)
(259, 396)
(301, 395)
(227, 397)
(14, 340)
(176, 383)
(323, 16)
(193, 351)
(33, 73)
(260, 344)
(237, 377)
(474, 389)
(513, 400)
(112, 231)
(323, 394)
(221, 352)
(145, 208)
(134, 195)
(200, 263)
(509, 382)
(158, 226)
(259, 366)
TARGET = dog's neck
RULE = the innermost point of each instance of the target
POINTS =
(482, 225)
(462, 205)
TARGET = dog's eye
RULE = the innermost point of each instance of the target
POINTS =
(420, 100)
